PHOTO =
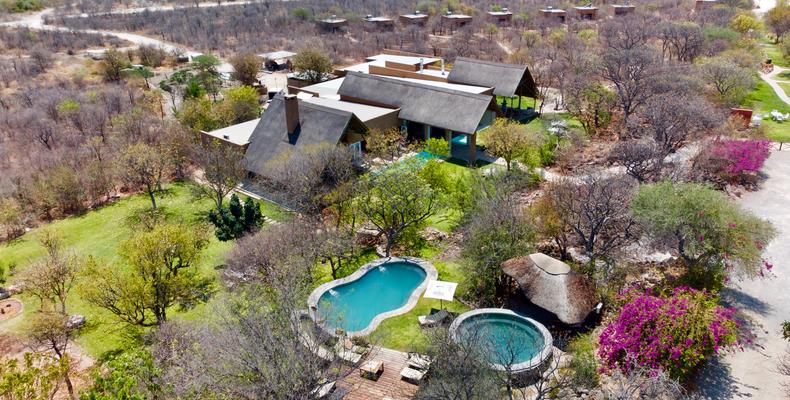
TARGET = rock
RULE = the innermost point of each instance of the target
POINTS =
(15, 289)
(433, 235)
(4, 294)
(75, 321)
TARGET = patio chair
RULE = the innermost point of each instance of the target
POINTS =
(433, 319)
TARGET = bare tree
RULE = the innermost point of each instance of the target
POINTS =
(632, 72)
(683, 40)
(642, 159)
(144, 165)
(597, 209)
(51, 332)
(641, 383)
(52, 278)
(672, 126)
(730, 81)
(245, 68)
(223, 169)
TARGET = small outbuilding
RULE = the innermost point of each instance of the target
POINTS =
(333, 24)
(623, 9)
(417, 18)
(588, 12)
(379, 23)
(454, 21)
(555, 14)
(501, 17)
(552, 285)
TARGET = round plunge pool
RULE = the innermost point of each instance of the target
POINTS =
(504, 337)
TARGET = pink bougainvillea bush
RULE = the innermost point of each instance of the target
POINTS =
(674, 333)
(735, 160)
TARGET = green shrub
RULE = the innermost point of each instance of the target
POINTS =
(437, 147)
(583, 367)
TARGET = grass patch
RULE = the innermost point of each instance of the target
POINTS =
(770, 50)
(526, 102)
(98, 233)
(762, 100)
(403, 332)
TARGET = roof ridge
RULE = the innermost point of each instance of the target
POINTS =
(314, 106)
(500, 64)
(420, 85)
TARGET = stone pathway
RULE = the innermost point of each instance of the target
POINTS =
(770, 80)
(752, 373)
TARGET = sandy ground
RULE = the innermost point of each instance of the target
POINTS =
(752, 373)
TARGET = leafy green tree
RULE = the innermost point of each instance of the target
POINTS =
(313, 64)
(591, 103)
(131, 375)
(198, 115)
(35, 377)
(240, 104)
(385, 143)
(143, 165)
(778, 19)
(395, 200)
(236, 220)
(207, 76)
(112, 65)
(301, 13)
(744, 23)
(508, 140)
(707, 230)
(163, 274)
(245, 68)
(438, 147)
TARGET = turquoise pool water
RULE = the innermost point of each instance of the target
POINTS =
(505, 339)
(352, 306)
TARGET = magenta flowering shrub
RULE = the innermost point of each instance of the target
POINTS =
(674, 333)
(731, 160)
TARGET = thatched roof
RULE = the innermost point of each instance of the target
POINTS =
(317, 124)
(507, 80)
(426, 104)
(551, 284)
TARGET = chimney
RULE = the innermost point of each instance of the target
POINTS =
(291, 113)
(442, 66)
(421, 64)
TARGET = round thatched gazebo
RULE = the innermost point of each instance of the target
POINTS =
(552, 285)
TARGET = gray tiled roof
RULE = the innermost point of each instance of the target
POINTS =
(317, 124)
(507, 79)
(426, 104)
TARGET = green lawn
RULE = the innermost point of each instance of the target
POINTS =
(763, 100)
(526, 102)
(771, 51)
(98, 233)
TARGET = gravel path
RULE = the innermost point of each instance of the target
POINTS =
(770, 80)
(752, 373)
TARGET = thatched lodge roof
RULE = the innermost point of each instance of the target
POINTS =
(552, 285)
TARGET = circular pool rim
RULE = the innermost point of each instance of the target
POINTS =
(531, 364)
(430, 274)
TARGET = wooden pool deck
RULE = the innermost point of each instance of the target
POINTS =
(388, 386)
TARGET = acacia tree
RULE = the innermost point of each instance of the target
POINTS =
(706, 229)
(597, 210)
(509, 140)
(730, 81)
(50, 332)
(255, 349)
(642, 159)
(672, 126)
(590, 102)
(778, 19)
(223, 169)
(52, 278)
(245, 68)
(36, 376)
(385, 142)
(143, 165)
(396, 200)
(313, 63)
(632, 72)
(163, 274)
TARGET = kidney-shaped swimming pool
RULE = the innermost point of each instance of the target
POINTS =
(381, 289)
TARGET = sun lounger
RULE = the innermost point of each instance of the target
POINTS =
(322, 391)
(412, 375)
(419, 361)
(433, 319)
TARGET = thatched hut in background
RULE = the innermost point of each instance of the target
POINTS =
(552, 285)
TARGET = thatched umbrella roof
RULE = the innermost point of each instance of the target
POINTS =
(551, 284)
